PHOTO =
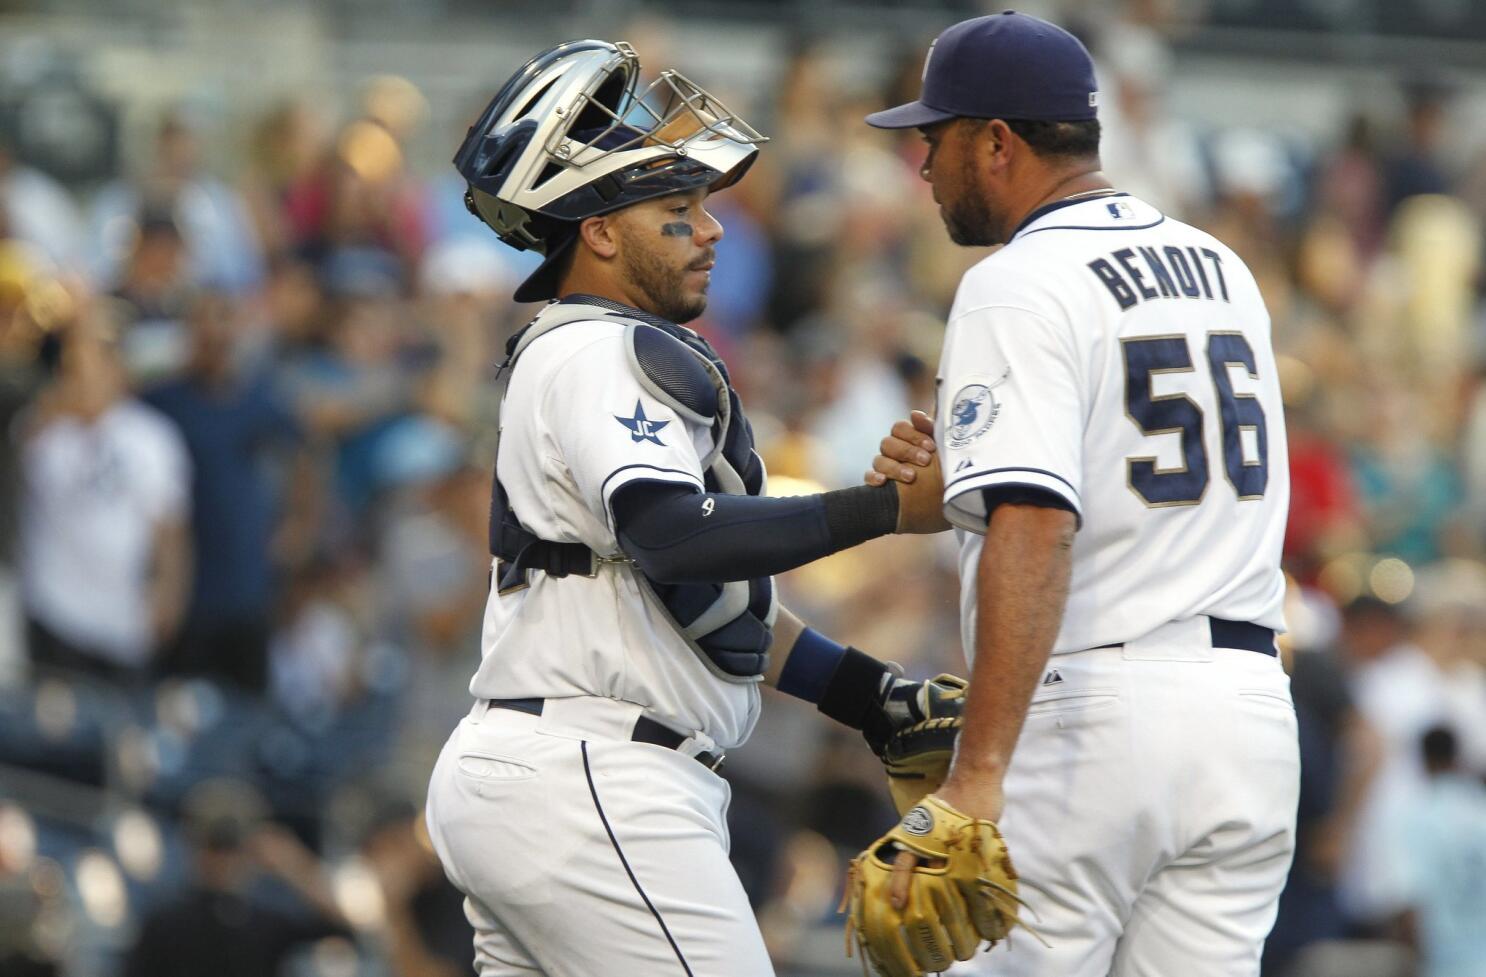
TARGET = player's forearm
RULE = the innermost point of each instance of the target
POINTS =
(678, 535)
(170, 578)
(845, 684)
(1022, 585)
(787, 631)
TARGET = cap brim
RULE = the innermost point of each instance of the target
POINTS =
(541, 284)
(914, 115)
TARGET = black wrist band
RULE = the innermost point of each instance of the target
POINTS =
(853, 688)
(858, 514)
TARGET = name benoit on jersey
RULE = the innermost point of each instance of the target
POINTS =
(1140, 274)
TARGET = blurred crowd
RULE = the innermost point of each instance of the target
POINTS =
(244, 493)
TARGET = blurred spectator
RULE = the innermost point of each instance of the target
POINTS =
(853, 382)
(217, 925)
(1415, 329)
(1372, 630)
(362, 197)
(232, 419)
(809, 209)
(1340, 755)
(335, 680)
(349, 385)
(737, 299)
(435, 567)
(1146, 151)
(1324, 516)
(1417, 169)
(1349, 184)
(1408, 486)
(153, 293)
(1473, 459)
(1257, 184)
(30, 304)
(286, 323)
(1431, 677)
(106, 554)
(1441, 847)
(289, 145)
(213, 220)
(38, 211)
(318, 646)
(423, 927)
(465, 315)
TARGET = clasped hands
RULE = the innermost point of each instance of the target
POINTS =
(907, 457)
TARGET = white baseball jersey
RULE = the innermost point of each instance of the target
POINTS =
(95, 495)
(576, 426)
(1122, 360)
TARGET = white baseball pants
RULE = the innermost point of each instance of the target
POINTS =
(1150, 811)
(581, 853)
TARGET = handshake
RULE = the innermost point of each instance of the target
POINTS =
(913, 727)
(907, 457)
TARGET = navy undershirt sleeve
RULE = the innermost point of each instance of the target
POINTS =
(676, 534)
(1019, 494)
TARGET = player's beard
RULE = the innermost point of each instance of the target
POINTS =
(662, 283)
(967, 215)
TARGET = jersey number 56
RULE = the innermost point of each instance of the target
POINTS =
(1248, 472)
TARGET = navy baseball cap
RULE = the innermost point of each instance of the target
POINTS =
(1004, 66)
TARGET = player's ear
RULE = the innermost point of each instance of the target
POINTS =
(996, 142)
(601, 235)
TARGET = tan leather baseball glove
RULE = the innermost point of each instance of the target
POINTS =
(962, 892)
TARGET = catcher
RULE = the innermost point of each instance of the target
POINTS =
(632, 612)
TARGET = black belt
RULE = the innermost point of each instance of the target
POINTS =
(1237, 634)
(647, 730)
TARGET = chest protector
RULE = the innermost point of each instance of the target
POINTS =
(728, 625)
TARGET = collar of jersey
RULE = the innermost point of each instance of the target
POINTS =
(619, 308)
(615, 308)
(1046, 209)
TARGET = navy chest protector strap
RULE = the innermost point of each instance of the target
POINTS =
(728, 625)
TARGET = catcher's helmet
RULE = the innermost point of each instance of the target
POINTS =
(570, 136)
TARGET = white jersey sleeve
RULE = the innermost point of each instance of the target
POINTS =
(1010, 411)
(610, 431)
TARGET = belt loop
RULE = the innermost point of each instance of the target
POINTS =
(1187, 640)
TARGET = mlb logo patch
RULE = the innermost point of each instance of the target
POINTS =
(1120, 210)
